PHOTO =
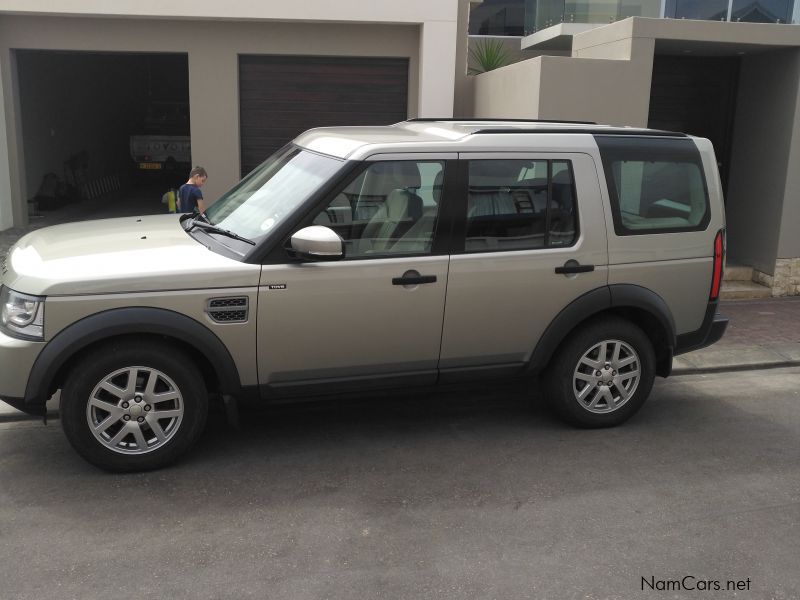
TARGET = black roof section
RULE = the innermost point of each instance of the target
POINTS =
(631, 131)
(596, 132)
(493, 120)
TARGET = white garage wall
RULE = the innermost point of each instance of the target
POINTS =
(423, 31)
(343, 11)
(213, 50)
(6, 210)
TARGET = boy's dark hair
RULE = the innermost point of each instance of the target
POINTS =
(198, 171)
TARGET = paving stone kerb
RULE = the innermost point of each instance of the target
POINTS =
(761, 333)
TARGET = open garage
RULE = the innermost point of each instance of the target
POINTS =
(81, 113)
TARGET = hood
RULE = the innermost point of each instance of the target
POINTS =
(130, 254)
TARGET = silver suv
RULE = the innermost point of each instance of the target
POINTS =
(426, 252)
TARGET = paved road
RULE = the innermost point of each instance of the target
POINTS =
(450, 496)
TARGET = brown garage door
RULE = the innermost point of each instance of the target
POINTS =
(281, 96)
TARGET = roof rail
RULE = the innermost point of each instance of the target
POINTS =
(615, 131)
(478, 120)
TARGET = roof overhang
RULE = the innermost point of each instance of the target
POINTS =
(671, 36)
(557, 37)
(703, 48)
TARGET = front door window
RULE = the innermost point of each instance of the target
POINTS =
(390, 208)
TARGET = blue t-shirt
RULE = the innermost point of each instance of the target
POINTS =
(188, 195)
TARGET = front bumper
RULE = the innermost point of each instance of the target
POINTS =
(16, 362)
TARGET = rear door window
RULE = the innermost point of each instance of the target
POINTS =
(519, 204)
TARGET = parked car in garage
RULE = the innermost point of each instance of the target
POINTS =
(163, 144)
(418, 254)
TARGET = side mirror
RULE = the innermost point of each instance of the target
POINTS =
(317, 243)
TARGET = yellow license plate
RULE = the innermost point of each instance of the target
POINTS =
(150, 166)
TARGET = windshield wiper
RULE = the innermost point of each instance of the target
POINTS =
(206, 226)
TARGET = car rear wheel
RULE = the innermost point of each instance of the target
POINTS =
(602, 374)
(133, 406)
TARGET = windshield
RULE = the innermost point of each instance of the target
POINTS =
(272, 192)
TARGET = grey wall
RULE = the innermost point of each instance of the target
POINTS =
(764, 129)
(560, 87)
(789, 242)
(509, 92)
(462, 92)
(6, 205)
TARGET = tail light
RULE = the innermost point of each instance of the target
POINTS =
(719, 258)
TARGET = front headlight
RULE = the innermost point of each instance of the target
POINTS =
(21, 314)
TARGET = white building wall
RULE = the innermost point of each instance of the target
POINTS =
(341, 11)
(6, 206)
(212, 34)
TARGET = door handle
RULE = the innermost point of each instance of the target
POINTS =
(573, 266)
(413, 279)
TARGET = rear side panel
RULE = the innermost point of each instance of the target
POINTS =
(658, 237)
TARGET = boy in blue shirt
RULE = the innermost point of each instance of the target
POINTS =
(190, 198)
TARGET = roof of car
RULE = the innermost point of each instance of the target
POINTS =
(447, 135)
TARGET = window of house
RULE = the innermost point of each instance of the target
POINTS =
(390, 208)
(520, 205)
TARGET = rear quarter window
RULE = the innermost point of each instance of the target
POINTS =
(656, 185)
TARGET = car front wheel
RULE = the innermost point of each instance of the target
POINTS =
(133, 406)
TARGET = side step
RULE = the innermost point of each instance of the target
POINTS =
(738, 284)
(742, 290)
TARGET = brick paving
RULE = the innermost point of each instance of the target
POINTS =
(762, 322)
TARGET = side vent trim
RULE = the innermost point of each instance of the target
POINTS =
(228, 310)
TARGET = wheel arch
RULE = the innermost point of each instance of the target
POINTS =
(640, 305)
(69, 345)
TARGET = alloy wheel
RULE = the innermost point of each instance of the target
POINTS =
(135, 410)
(606, 376)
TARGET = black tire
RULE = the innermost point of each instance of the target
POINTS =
(173, 375)
(565, 389)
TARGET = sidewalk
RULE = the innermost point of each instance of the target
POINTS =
(761, 334)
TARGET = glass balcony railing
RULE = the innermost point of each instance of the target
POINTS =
(523, 17)
(762, 11)
(747, 11)
(498, 17)
(704, 10)
(546, 13)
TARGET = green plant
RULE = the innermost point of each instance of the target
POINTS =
(487, 55)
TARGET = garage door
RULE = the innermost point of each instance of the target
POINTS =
(281, 96)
